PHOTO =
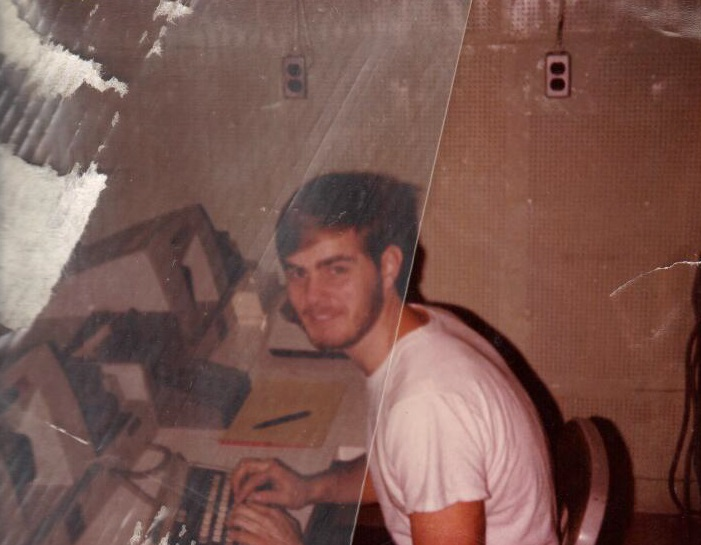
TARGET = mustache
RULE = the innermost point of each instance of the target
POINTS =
(288, 311)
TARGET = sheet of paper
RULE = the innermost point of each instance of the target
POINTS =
(272, 399)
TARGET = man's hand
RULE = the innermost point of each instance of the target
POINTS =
(255, 524)
(269, 482)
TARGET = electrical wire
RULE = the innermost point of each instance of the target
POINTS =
(560, 26)
(689, 439)
(302, 42)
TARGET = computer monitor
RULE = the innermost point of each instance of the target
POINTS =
(64, 435)
(174, 263)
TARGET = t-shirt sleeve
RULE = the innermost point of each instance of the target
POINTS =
(436, 447)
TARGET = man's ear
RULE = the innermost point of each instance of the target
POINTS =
(390, 265)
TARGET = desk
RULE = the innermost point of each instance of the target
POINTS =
(128, 512)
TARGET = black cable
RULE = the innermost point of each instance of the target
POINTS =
(560, 27)
(683, 432)
(690, 429)
(695, 369)
(166, 457)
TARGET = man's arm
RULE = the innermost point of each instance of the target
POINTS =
(462, 523)
(272, 482)
(342, 483)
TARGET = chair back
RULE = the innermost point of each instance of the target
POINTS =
(581, 481)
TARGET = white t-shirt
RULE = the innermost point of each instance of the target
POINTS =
(454, 425)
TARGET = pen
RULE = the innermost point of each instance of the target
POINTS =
(281, 420)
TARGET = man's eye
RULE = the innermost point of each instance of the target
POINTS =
(339, 270)
(294, 274)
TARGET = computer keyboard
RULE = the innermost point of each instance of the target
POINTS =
(204, 508)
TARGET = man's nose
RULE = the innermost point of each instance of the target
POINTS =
(314, 288)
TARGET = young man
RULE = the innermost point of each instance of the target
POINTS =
(456, 451)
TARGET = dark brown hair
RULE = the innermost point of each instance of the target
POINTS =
(381, 209)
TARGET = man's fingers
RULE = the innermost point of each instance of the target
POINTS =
(243, 516)
(248, 476)
(254, 523)
(268, 497)
(256, 513)
(244, 520)
(268, 481)
(245, 469)
(243, 537)
(255, 517)
(250, 488)
(259, 512)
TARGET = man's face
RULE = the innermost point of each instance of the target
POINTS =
(335, 288)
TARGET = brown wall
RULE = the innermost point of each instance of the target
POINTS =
(556, 220)
(200, 116)
(559, 220)
(207, 122)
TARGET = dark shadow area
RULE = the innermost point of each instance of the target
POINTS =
(659, 529)
(344, 524)
(621, 491)
(413, 289)
(543, 400)
(330, 524)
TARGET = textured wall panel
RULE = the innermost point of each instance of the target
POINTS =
(572, 225)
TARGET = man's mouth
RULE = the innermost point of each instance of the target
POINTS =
(320, 315)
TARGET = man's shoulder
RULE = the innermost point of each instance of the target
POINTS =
(443, 357)
(434, 360)
(446, 336)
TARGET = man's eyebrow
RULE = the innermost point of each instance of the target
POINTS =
(329, 261)
(336, 259)
(287, 265)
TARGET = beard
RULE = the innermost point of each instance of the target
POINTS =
(357, 330)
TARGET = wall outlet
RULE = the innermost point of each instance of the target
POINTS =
(558, 74)
(294, 77)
